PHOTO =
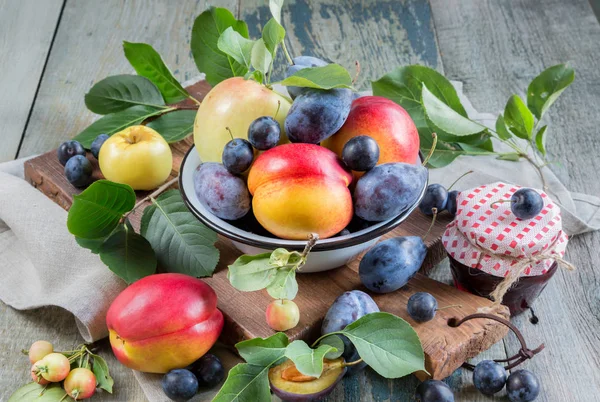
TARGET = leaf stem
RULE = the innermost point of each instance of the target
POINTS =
(150, 196)
(352, 363)
(325, 336)
(196, 101)
(287, 55)
(183, 107)
(432, 149)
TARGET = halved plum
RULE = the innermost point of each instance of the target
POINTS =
(291, 385)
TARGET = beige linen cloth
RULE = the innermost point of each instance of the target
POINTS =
(41, 264)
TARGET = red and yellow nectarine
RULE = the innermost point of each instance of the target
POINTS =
(299, 189)
(163, 322)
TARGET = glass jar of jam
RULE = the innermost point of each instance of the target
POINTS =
(486, 242)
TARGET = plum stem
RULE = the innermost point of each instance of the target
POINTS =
(435, 213)
(152, 195)
(450, 306)
(432, 149)
(461, 176)
(500, 202)
(230, 133)
(352, 363)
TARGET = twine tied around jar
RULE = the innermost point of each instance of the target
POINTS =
(518, 269)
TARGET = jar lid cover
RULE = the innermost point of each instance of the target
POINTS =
(486, 237)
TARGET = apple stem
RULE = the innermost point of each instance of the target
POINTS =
(353, 363)
(445, 307)
(435, 213)
(277, 111)
(149, 197)
(434, 135)
(357, 64)
(456, 181)
(43, 389)
(63, 398)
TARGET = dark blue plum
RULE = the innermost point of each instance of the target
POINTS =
(435, 196)
(237, 155)
(422, 306)
(522, 386)
(317, 114)
(222, 193)
(78, 171)
(69, 149)
(179, 385)
(526, 203)
(451, 203)
(97, 143)
(347, 308)
(387, 190)
(390, 264)
(434, 391)
(264, 133)
(208, 370)
(300, 63)
(489, 377)
(361, 153)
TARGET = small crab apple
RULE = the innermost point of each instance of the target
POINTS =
(36, 375)
(80, 383)
(55, 367)
(38, 350)
(282, 315)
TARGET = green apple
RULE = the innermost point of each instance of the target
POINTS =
(234, 103)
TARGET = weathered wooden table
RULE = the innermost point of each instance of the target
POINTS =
(52, 51)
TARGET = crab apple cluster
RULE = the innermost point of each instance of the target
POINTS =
(183, 384)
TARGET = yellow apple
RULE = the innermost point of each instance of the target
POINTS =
(234, 103)
(138, 156)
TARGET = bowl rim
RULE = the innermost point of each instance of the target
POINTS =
(271, 243)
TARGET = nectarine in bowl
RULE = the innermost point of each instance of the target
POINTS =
(250, 237)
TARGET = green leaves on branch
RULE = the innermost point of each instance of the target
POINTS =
(518, 118)
(174, 126)
(147, 62)
(273, 34)
(547, 87)
(209, 58)
(385, 342)
(34, 392)
(326, 77)
(445, 118)
(118, 92)
(182, 244)
(274, 271)
(169, 233)
(233, 44)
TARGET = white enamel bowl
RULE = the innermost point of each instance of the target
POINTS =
(327, 254)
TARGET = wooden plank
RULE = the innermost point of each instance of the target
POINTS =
(496, 48)
(26, 31)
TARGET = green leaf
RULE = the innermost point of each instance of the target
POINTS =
(501, 129)
(174, 126)
(251, 272)
(273, 34)
(119, 92)
(337, 343)
(275, 7)
(33, 392)
(540, 140)
(284, 284)
(128, 255)
(509, 156)
(206, 31)
(261, 57)
(115, 122)
(280, 257)
(387, 343)
(182, 244)
(518, 118)
(246, 383)
(547, 87)
(264, 352)
(91, 244)
(235, 45)
(326, 77)
(100, 370)
(147, 62)
(97, 210)
(308, 361)
(446, 118)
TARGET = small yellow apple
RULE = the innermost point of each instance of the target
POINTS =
(138, 156)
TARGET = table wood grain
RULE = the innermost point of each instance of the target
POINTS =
(494, 46)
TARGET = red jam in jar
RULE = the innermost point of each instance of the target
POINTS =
(486, 242)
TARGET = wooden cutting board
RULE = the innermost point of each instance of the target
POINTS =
(446, 348)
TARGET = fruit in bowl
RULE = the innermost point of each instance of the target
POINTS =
(163, 322)
(233, 103)
(138, 156)
(299, 189)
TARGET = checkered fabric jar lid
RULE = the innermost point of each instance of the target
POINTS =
(493, 239)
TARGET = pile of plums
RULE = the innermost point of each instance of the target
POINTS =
(78, 169)
(183, 384)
